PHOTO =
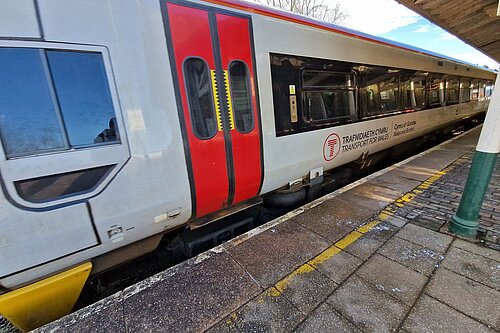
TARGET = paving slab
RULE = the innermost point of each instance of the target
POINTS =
(325, 320)
(192, 299)
(396, 221)
(381, 232)
(367, 307)
(432, 240)
(416, 257)
(428, 222)
(334, 218)
(370, 196)
(105, 315)
(434, 161)
(340, 266)
(393, 278)
(276, 252)
(306, 291)
(473, 266)
(396, 181)
(364, 247)
(261, 315)
(480, 250)
(416, 172)
(430, 315)
(470, 297)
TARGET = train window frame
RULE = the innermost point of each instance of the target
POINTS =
(286, 81)
(381, 76)
(335, 120)
(409, 76)
(441, 90)
(447, 90)
(56, 92)
(47, 163)
(189, 99)
(465, 81)
(249, 95)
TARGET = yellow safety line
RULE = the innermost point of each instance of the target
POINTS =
(352, 237)
(229, 101)
(216, 100)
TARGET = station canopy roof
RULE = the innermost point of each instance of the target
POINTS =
(476, 22)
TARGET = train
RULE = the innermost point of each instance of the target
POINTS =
(121, 121)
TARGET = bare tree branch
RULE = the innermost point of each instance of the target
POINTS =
(317, 9)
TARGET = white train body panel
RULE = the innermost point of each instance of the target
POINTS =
(148, 189)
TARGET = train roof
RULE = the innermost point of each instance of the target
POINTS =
(300, 19)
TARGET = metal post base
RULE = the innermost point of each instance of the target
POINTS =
(463, 227)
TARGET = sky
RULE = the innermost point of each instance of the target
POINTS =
(388, 19)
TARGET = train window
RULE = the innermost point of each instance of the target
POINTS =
(452, 91)
(474, 91)
(412, 91)
(489, 89)
(328, 95)
(436, 91)
(325, 79)
(465, 90)
(388, 90)
(240, 96)
(84, 97)
(53, 100)
(29, 121)
(199, 92)
(482, 89)
(58, 186)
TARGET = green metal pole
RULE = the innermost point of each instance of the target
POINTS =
(464, 222)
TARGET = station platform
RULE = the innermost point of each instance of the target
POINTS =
(374, 256)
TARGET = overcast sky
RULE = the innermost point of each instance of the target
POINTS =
(388, 19)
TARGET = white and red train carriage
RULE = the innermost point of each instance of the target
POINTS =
(123, 120)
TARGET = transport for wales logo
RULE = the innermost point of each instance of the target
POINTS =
(331, 147)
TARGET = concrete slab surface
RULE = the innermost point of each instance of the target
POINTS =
(430, 315)
(393, 278)
(326, 320)
(368, 307)
(467, 296)
(418, 258)
(474, 267)
(198, 296)
(425, 237)
(266, 313)
(273, 254)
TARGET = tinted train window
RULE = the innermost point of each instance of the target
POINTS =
(378, 90)
(240, 96)
(452, 91)
(84, 98)
(388, 90)
(52, 100)
(482, 89)
(412, 91)
(61, 185)
(489, 89)
(29, 119)
(328, 95)
(199, 91)
(436, 91)
(464, 91)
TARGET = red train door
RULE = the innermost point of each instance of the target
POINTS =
(213, 57)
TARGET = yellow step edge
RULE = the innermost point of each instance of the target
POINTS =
(41, 302)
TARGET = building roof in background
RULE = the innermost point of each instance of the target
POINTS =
(476, 22)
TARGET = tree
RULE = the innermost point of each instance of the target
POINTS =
(317, 9)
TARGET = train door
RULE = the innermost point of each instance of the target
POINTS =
(212, 60)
